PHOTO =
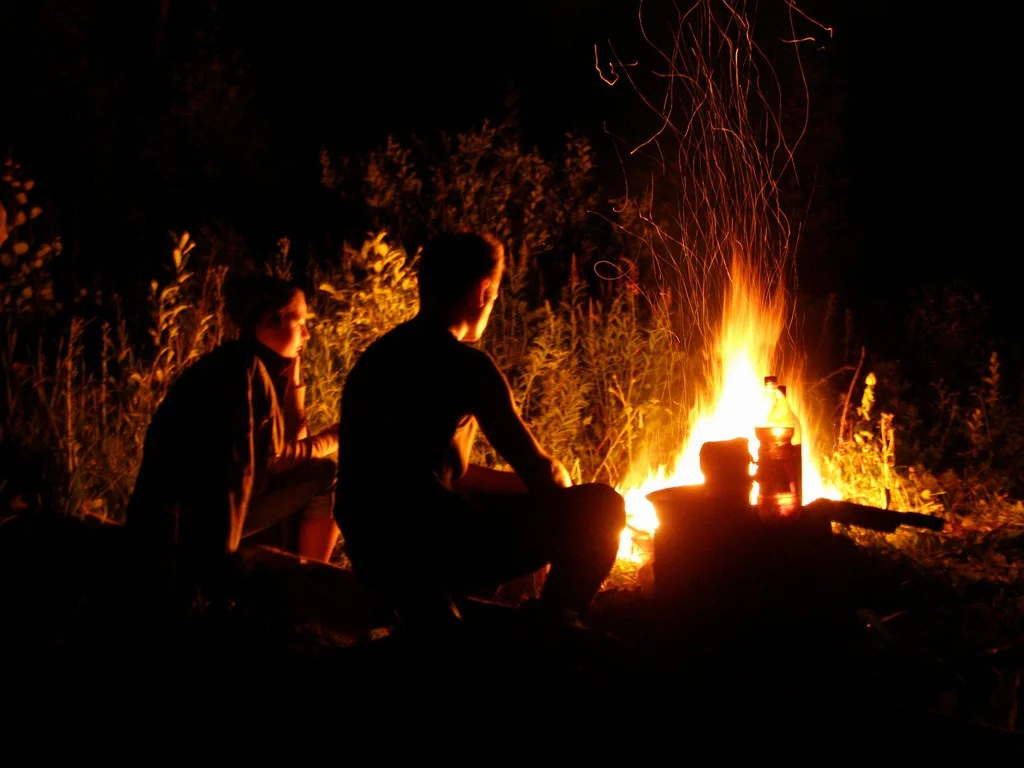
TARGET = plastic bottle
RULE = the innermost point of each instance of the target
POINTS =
(786, 414)
(779, 470)
(797, 454)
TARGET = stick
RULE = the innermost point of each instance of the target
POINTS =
(849, 394)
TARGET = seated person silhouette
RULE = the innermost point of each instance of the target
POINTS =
(228, 454)
(421, 523)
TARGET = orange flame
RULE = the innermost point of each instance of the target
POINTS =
(745, 350)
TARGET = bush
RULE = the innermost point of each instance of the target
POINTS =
(598, 367)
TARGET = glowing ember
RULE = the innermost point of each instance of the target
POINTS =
(745, 350)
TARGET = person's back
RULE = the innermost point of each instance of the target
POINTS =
(190, 420)
(188, 451)
(409, 425)
(419, 520)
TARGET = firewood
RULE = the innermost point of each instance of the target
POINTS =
(309, 591)
(873, 518)
(71, 551)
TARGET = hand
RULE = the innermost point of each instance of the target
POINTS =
(326, 442)
(296, 375)
(560, 474)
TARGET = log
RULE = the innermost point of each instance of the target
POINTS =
(59, 559)
(307, 591)
(872, 518)
(722, 571)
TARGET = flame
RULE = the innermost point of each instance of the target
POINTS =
(745, 349)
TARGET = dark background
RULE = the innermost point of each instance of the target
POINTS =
(140, 116)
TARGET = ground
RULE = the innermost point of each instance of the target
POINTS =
(876, 660)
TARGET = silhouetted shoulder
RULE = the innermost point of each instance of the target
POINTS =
(215, 383)
(481, 365)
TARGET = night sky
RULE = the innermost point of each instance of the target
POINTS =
(926, 171)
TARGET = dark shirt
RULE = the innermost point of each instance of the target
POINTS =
(208, 448)
(278, 368)
(407, 411)
(229, 422)
(409, 414)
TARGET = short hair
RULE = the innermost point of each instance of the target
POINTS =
(453, 262)
(250, 296)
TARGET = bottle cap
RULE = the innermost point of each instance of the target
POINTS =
(771, 380)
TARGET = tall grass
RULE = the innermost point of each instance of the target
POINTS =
(598, 367)
(588, 374)
(584, 376)
(606, 326)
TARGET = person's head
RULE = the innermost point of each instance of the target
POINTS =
(268, 309)
(459, 275)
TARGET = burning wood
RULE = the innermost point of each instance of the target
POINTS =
(739, 406)
(711, 538)
(873, 518)
(716, 555)
(727, 261)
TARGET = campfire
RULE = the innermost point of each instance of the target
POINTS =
(749, 344)
(726, 256)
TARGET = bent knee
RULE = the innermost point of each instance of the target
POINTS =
(603, 504)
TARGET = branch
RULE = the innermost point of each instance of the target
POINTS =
(849, 394)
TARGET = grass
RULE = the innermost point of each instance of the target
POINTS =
(590, 376)
(604, 370)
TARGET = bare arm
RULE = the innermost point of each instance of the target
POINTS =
(297, 452)
(299, 447)
(504, 428)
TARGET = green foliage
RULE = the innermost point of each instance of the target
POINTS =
(372, 290)
(985, 524)
(26, 249)
(588, 378)
(88, 404)
(483, 179)
(600, 369)
(863, 464)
